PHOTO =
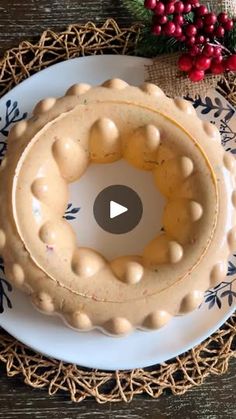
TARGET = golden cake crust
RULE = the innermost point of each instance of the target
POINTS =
(152, 132)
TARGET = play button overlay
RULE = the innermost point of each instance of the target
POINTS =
(118, 209)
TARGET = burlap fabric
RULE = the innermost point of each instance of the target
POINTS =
(165, 73)
(179, 374)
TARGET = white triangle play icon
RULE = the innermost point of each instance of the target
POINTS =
(116, 209)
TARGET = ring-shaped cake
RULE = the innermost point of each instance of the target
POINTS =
(151, 132)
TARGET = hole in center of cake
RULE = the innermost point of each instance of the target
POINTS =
(115, 209)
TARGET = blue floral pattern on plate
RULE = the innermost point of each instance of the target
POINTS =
(213, 107)
(5, 288)
(12, 115)
(214, 296)
(71, 212)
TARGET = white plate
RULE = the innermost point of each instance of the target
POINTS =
(49, 335)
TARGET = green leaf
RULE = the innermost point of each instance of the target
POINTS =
(230, 39)
(150, 45)
(189, 17)
(137, 9)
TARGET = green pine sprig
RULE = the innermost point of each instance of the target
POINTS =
(230, 39)
(139, 12)
(150, 45)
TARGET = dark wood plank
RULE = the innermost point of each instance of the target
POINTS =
(216, 399)
(26, 19)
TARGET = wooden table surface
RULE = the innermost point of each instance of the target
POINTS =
(26, 19)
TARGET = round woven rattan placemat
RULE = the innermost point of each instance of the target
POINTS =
(177, 375)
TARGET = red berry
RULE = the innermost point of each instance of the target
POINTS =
(228, 26)
(200, 39)
(178, 31)
(196, 75)
(222, 17)
(209, 28)
(216, 68)
(159, 9)
(198, 22)
(169, 28)
(210, 19)
(208, 50)
(231, 62)
(156, 30)
(201, 10)
(190, 30)
(185, 62)
(217, 51)
(194, 50)
(224, 62)
(194, 3)
(217, 60)
(182, 38)
(187, 8)
(202, 62)
(161, 20)
(169, 8)
(219, 32)
(150, 4)
(178, 20)
(179, 7)
(190, 41)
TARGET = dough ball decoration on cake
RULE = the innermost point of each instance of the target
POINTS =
(151, 132)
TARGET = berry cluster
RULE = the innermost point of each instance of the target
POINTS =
(209, 58)
(201, 36)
